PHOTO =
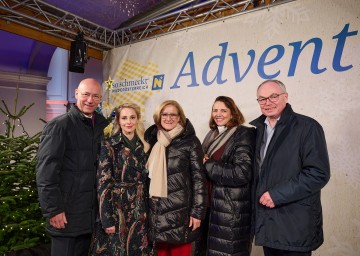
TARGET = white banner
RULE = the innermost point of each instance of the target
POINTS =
(311, 46)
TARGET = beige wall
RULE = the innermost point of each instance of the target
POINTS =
(32, 89)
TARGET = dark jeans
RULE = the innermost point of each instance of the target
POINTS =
(70, 246)
(275, 252)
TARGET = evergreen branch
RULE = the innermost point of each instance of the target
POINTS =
(2, 110)
(8, 113)
(25, 109)
(43, 120)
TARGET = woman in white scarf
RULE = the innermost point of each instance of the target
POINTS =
(177, 181)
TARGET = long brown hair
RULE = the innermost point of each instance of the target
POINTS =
(237, 117)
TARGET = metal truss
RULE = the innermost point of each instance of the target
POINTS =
(54, 21)
(38, 15)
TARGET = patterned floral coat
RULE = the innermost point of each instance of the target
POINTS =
(122, 196)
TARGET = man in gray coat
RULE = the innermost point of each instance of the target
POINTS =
(66, 170)
(291, 168)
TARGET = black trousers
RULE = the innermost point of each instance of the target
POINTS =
(276, 252)
(70, 246)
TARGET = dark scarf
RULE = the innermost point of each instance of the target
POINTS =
(213, 140)
(131, 144)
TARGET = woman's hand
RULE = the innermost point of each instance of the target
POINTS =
(205, 158)
(195, 223)
(110, 230)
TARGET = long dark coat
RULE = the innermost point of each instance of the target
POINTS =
(66, 171)
(295, 168)
(230, 209)
(169, 217)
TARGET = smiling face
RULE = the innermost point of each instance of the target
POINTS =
(272, 108)
(128, 121)
(169, 117)
(220, 113)
(88, 96)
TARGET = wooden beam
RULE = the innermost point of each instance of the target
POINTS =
(44, 37)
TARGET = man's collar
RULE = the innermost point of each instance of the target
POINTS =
(88, 116)
(267, 122)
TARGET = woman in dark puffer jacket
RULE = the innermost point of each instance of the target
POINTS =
(178, 192)
(228, 148)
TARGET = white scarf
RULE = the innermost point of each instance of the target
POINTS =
(156, 163)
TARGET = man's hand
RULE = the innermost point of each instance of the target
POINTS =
(58, 221)
(266, 200)
(195, 223)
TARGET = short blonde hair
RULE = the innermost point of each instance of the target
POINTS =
(159, 109)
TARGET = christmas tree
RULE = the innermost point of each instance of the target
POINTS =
(21, 222)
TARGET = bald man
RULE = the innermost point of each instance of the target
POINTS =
(66, 170)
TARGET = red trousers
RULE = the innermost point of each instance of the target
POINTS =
(165, 249)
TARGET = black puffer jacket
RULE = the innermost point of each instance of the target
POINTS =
(169, 217)
(230, 212)
(294, 170)
(66, 171)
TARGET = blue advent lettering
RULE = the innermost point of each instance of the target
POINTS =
(187, 75)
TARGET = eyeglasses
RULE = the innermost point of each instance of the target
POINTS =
(87, 95)
(171, 115)
(272, 98)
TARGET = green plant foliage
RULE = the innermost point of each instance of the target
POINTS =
(21, 222)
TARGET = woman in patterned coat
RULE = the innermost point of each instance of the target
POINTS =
(121, 228)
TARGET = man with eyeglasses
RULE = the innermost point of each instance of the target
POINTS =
(291, 167)
(66, 170)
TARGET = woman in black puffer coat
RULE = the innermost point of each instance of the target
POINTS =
(178, 192)
(229, 148)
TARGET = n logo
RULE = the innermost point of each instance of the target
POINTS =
(158, 82)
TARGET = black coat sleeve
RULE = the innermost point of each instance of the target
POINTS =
(198, 209)
(236, 165)
(314, 172)
(49, 164)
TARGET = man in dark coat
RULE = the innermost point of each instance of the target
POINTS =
(291, 167)
(66, 170)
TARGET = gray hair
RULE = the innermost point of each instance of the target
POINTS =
(279, 83)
